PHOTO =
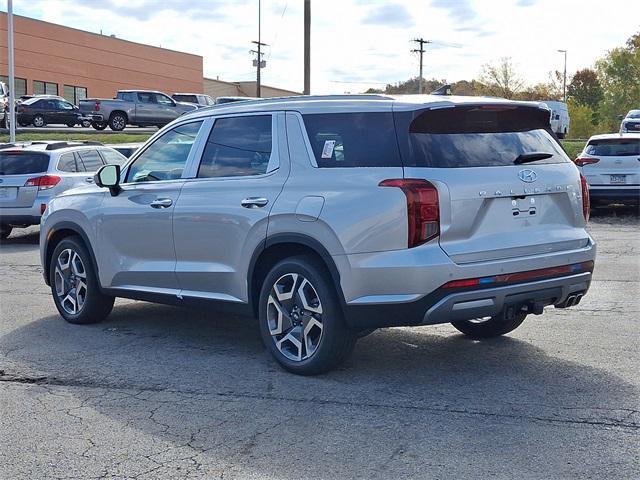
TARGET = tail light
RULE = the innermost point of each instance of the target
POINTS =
(423, 208)
(43, 183)
(586, 203)
(21, 109)
(582, 161)
(96, 106)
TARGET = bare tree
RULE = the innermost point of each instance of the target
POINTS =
(501, 79)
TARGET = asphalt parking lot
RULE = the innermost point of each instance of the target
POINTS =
(161, 392)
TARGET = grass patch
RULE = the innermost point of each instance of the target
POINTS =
(94, 137)
(573, 147)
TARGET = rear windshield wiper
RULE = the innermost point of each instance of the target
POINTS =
(531, 157)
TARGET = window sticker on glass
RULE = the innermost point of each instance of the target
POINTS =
(327, 150)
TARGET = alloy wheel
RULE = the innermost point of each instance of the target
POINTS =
(38, 121)
(294, 317)
(70, 281)
(118, 122)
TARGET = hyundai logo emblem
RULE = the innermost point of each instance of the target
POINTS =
(527, 175)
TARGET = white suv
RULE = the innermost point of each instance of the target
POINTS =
(327, 217)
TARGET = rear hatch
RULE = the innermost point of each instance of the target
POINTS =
(16, 167)
(616, 162)
(506, 187)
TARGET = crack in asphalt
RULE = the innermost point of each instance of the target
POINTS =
(79, 383)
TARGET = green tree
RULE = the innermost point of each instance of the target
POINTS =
(585, 88)
(619, 75)
(581, 120)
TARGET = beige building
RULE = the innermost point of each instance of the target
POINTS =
(218, 88)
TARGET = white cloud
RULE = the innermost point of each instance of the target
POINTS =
(351, 42)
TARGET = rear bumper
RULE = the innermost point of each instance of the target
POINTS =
(490, 302)
(615, 193)
(443, 306)
(21, 216)
(92, 117)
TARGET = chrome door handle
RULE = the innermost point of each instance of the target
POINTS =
(89, 179)
(254, 202)
(161, 203)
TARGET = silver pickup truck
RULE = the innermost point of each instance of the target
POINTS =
(133, 107)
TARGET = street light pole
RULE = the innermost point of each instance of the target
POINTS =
(12, 95)
(564, 78)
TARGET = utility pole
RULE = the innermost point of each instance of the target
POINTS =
(258, 63)
(564, 79)
(307, 47)
(12, 81)
(421, 50)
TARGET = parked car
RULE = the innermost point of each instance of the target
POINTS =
(135, 107)
(559, 117)
(229, 99)
(327, 217)
(4, 105)
(41, 111)
(611, 165)
(631, 122)
(198, 99)
(33, 173)
(126, 149)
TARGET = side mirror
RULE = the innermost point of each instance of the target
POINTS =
(620, 117)
(109, 177)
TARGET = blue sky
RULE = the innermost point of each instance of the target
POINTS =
(358, 44)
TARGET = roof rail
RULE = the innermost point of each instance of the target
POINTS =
(66, 144)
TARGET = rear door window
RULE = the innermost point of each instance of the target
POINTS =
(67, 163)
(353, 139)
(20, 163)
(614, 147)
(237, 146)
(475, 136)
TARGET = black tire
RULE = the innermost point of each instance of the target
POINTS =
(70, 125)
(99, 125)
(5, 231)
(38, 121)
(335, 341)
(489, 328)
(96, 306)
(85, 123)
(22, 124)
(117, 121)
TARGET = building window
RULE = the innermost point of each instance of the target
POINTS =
(74, 94)
(20, 85)
(44, 88)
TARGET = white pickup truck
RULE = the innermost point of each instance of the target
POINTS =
(133, 107)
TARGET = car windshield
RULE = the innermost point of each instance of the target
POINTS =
(20, 163)
(615, 147)
(633, 114)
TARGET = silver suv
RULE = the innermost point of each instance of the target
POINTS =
(327, 217)
(32, 173)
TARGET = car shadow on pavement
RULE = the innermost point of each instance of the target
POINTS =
(203, 383)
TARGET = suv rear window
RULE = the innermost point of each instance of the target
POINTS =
(353, 139)
(614, 147)
(475, 136)
(185, 98)
(20, 163)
